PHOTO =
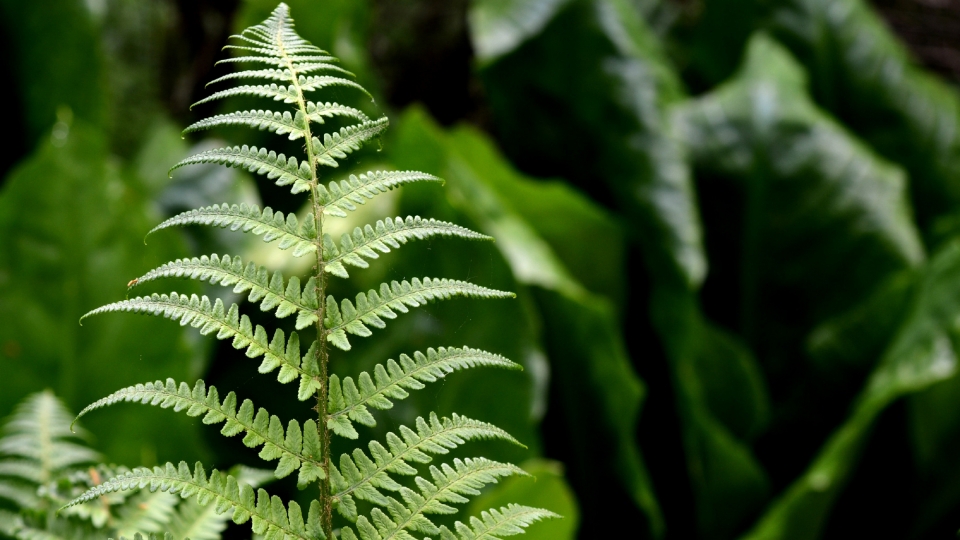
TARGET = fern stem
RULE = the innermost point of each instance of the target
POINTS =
(326, 499)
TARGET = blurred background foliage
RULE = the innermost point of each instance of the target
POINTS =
(733, 227)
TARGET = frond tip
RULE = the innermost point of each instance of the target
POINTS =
(493, 524)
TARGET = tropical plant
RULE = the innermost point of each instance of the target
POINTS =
(45, 463)
(291, 68)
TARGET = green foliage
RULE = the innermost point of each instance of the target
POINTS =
(44, 464)
(306, 446)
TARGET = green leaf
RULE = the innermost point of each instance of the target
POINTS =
(202, 522)
(373, 306)
(392, 382)
(499, 27)
(272, 225)
(868, 78)
(362, 476)
(921, 354)
(277, 167)
(506, 521)
(71, 237)
(338, 198)
(229, 324)
(346, 141)
(261, 429)
(587, 322)
(390, 233)
(273, 293)
(269, 516)
(545, 495)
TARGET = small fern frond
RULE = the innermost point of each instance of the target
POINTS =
(270, 516)
(348, 140)
(145, 512)
(277, 167)
(449, 485)
(40, 442)
(372, 307)
(296, 448)
(148, 536)
(338, 198)
(281, 74)
(197, 522)
(272, 292)
(279, 123)
(350, 400)
(229, 324)
(280, 62)
(494, 524)
(274, 122)
(386, 234)
(361, 477)
(286, 94)
(249, 219)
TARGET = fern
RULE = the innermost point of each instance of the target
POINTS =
(287, 70)
(44, 465)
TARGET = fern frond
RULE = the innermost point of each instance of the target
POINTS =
(494, 524)
(275, 122)
(277, 167)
(338, 198)
(197, 522)
(281, 74)
(249, 219)
(279, 123)
(270, 516)
(39, 440)
(449, 485)
(270, 291)
(372, 307)
(349, 139)
(199, 313)
(145, 512)
(361, 477)
(286, 94)
(350, 400)
(279, 61)
(386, 234)
(295, 447)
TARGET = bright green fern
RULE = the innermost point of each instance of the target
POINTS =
(288, 69)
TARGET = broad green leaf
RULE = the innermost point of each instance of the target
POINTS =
(868, 78)
(497, 27)
(606, 123)
(546, 489)
(587, 322)
(56, 61)
(611, 122)
(923, 352)
(71, 237)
